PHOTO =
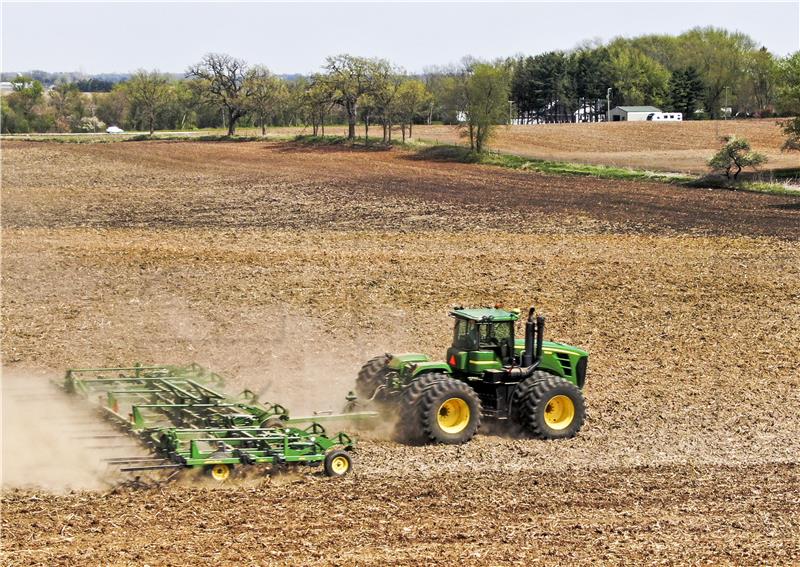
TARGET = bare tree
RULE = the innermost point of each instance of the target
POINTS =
(385, 85)
(318, 101)
(222, 80)
(266, 92)
(412, 99)
(350, 78)
(149, 91)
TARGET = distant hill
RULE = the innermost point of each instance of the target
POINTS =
(95, 82)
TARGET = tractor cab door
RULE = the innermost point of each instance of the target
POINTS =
(498, 337)
(465, 340)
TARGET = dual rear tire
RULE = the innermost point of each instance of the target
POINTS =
(371, 376)
(545, 406)
(436, 408)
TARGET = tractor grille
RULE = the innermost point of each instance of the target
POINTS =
(566, 366)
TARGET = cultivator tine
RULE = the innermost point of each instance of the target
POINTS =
(152, 468)
(130, 461)
(110, 436)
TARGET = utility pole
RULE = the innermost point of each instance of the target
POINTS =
(608, 105)
(510, 112)
(727, 108)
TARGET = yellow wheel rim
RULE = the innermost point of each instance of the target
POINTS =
(453, 415)
(220, 472)
(559, 412)
(340, 464)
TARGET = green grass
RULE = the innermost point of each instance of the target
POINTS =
(465, 155)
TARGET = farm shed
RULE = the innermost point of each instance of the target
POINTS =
(628, 113)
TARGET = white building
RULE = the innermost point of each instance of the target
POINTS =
(631, 113)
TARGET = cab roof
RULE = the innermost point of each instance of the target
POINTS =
(485, 313)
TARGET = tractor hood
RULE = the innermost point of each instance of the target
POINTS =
(398, 361)
(549, 347)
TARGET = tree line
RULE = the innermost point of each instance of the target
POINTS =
(699, 73)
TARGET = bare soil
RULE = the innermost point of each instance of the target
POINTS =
(284, 267)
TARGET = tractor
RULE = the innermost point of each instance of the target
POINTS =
(532, 385)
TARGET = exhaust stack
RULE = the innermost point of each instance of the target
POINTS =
(534, 335)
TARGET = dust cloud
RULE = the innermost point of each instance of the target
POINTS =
(283, 355)
(58, 443)
(50, 441)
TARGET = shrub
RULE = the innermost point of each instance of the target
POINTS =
(792, 130)
(735, 154)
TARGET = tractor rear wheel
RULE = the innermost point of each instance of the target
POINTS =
(370, 377)
(548, 406)
(439, 409)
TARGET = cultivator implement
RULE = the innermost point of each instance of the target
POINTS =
(181, 414)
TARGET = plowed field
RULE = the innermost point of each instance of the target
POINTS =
(284, 267)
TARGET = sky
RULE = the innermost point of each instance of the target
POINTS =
(107, 37)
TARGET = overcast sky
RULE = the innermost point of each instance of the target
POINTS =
(296, 37)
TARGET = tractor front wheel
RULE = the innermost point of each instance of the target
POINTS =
(549, 407)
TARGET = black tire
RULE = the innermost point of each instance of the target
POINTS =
(334, 466)
(273, 423)
(439, 409)
(409, 425)
(545, 406)
(371, 376)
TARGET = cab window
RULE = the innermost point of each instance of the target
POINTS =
(464, 334)
(503, 331)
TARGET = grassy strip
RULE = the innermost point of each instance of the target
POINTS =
(464, 155)
(461, 154)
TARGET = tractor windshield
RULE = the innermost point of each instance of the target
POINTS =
(493, 334)
(472, 335)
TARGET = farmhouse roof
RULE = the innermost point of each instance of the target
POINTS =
(639, 108)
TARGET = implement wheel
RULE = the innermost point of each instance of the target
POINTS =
(338, 463)
(549, 407)
(219, 472)
(274, 423)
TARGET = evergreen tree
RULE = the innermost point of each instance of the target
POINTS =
(686, 91)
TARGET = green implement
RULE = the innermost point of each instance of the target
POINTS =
(180, 413)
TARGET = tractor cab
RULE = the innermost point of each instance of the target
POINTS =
(483, 339)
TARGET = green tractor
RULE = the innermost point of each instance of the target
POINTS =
(529, 383)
